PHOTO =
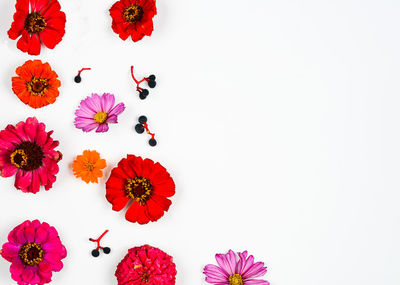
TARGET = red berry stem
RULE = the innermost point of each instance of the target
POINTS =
(138, 88)
(83, 69)
(98, 240)
(146, 127)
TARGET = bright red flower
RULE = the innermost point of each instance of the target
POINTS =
(146, 265)
(147, 184)
(37, 22)
(133, 18)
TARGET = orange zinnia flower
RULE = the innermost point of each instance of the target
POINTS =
(88, 166)
(36, 84)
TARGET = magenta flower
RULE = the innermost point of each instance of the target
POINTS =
(234, 271)
(35, 251)
(27, 151)
(97, 112)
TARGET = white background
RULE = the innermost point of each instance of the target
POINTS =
(278, 120)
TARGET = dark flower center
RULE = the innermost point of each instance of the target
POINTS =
(139, 189)
(27, 156)
(34, 23)
(31, 254)
(37, 86)
(133, 13)
(235, 279)
(145, 277)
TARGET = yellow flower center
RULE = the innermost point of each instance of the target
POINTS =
(19, 158)
(89, 166)
(100, 117)
(133, 13)
(235, 279)
(34, 23)
(139, 189)
(31, 254)
(37, 86)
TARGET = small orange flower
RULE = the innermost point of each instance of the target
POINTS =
(36, 84)
(88, 166)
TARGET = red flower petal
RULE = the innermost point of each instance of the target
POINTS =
(24, 41)
(18, 25)
(137, 214)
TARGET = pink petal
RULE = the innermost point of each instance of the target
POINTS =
(118, 109)
(29, 233)
(107, 102)
(102, 128)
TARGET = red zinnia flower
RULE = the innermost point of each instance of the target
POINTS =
(146, 265)
(37, 21)
(28, 151)
(146, 183)
(133, 18)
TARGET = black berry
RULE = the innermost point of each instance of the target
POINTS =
(142, 119)
(139, 129)
(152, 83)
(152, 142)
(145, 92)
(106, 250)
(95, 253)
(78, 79)
(152, 77)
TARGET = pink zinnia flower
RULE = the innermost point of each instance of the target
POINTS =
(27, 150)
(97, 112)
(35, 251)
(146, 265)
(234, 271)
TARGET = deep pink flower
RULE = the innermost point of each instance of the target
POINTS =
(35, 251)
(97, 112)
(28, 151)
(235, 271)
(146, 265)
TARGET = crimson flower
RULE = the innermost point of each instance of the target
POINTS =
(146, 265)
(133, 18)
(27, 151)
(36, 22)
(147, 184)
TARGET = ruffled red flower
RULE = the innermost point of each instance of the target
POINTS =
(28, 151)
(146, 265)
(36, 22)
(147, 184)
(133, 18)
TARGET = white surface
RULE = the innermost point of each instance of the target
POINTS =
(277, 119)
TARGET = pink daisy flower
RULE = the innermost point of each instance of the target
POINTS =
(35, 251)
(146, 265)
(97, 112)
(28, 151)
(235, 271)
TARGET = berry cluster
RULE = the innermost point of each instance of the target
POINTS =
(96, 252)
(142, 126)
(151, 82)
